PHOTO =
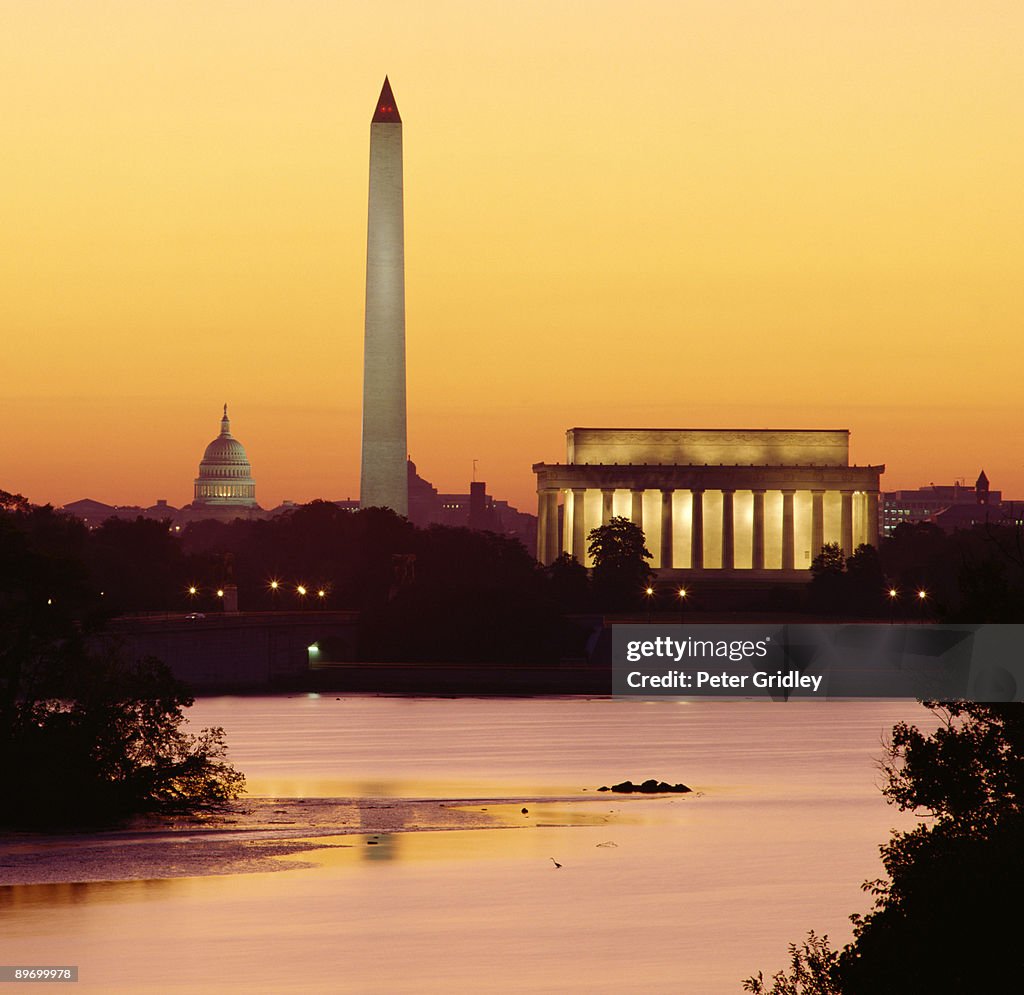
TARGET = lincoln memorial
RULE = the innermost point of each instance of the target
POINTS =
(756, 503)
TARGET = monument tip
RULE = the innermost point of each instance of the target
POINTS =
(386, 111)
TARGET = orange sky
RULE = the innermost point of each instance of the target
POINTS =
(701, 213)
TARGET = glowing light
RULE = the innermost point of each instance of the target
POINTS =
(649, 591)
(301, 589)
(274, 585)
(922, 594)
(192, 590)
(220, 592)
(313, 648)
(683, 592)
(321, 593)
(892, 592)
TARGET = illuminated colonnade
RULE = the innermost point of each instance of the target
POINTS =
(751, 516)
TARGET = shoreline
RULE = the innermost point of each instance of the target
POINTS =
(248, 837)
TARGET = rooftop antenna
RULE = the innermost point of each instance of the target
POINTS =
(474, 471)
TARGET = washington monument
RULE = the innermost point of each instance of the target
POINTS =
(384, 478)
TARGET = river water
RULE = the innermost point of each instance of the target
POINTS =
(681, 894)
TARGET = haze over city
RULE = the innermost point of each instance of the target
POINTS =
(707, 215)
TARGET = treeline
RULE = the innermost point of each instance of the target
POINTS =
(434, 594)
(922, 573)
(86, 738)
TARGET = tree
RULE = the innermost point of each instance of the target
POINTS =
(569, 583)
(826, 591)
(865, 582)
(942, 921)
(112, 745)
(620, 569)
(812, 971)
(828, 561)
(85, 736)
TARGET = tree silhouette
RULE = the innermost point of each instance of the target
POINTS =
(85, 736)
(944, 920)
(620, 557)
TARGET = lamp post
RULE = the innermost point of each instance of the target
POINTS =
(893, 595)
(922, 598)
(683, 594)
(649, 595)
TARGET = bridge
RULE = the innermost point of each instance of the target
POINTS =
(240, 650)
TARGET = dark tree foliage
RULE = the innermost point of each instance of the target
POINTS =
(974, 575)
(139, 565)
(853, 587)
(85, 738)
(812, 971)
(944, 920)
(865, 582)
(319, 545)
(921, 556)
(474, 597)
(108, 743)
(827, 591)
(620, 572)
(829, 561)
(437, 594)
(569, 583)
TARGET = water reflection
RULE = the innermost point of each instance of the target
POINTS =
(19, 899)
(708, 889)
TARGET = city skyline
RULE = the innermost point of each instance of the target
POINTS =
(717, 216)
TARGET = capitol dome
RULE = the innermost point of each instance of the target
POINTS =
(225, 476)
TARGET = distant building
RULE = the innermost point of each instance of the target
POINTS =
(94, 513)
(950, 506)
(475, 510)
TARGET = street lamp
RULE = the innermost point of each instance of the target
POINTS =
(893, 595)
(301, 590)
(683, 593)
(649, 594)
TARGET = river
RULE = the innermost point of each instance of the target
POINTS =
(680, 894)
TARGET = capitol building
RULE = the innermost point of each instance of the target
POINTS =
(225, 475)
(224, 490)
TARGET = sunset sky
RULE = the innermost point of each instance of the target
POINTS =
(696, 213)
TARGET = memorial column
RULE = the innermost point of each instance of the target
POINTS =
(697, 531)
(579, 525)
(728, 531)
(757, 538)
(788, 535)
(846, 522)
(817, 522)
(547, 525)
(872, 518)
(666, 530)
(637, 509)
(607, 494)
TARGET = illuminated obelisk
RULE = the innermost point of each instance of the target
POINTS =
(384, 478)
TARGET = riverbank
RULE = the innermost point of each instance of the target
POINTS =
(253, 834)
